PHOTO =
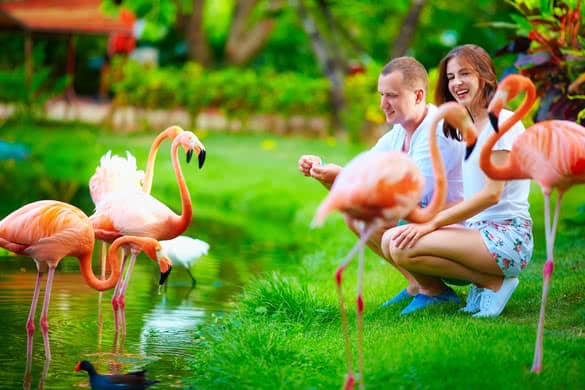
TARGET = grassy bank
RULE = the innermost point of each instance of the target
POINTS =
(286, 331)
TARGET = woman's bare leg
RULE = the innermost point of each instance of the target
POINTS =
(453, 252)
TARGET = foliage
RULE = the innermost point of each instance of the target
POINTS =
(363, 109)
(239, 93)
(549, 45)
(30, 100)
(157, 15)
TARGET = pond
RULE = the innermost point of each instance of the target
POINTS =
(161, 325)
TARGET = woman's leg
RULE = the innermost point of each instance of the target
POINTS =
(453, 252)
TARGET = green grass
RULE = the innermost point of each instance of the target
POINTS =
(286, 331)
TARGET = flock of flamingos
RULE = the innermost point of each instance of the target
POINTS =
(551, 152)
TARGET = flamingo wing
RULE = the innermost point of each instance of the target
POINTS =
(132, 213)
(553, 152)
(47, 231)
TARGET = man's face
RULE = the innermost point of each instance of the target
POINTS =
(396, 100)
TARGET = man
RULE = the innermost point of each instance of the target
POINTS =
(402, 85)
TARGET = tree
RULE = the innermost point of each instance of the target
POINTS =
(250, 25)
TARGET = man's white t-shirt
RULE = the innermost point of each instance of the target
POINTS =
(514, 199)
(452, 152)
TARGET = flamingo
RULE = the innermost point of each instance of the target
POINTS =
(118, 174)
(552, 153)
(136, 213)
(48, 231)
(388, 185)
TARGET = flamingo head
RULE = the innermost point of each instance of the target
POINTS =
(456, 115)
(165, 269)
(191, 144)
(510, 87)
(154, 250)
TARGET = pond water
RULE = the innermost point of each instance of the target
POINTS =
(161, 326)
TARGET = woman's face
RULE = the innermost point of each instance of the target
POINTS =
(463, 81)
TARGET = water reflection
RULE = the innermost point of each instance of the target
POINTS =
(161, 326)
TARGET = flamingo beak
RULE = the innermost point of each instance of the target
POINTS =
(494, 121)
(189, 155)
(469, 150)
(164, 276)
(201, 158)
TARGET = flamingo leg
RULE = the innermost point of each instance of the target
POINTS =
(360, 321)
(30, 322)
(550, 232)
(115, 303)
(124, 285)
(44, 322)
(350, 379)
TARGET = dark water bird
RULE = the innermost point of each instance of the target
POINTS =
(132, 380)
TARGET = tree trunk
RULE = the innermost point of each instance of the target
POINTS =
(243, 43)
(331, 67)
(402, 43)
(197, 45)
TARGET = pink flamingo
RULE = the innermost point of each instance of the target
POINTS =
(550, 152)
(49, 230)
(121, 174)
(387, 186)
(136, 213)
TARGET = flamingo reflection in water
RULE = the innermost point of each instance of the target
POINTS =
(386, 186)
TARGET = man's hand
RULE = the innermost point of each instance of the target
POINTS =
(326, 174)
(306, 163)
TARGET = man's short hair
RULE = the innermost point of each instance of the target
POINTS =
(413, 72)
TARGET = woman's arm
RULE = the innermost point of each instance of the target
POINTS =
(408, 235)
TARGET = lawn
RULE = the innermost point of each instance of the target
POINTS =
(286, 331)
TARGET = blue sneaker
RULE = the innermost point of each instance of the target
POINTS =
(421, 300)
(401, 296)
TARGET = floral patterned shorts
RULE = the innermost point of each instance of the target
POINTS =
(509, 241)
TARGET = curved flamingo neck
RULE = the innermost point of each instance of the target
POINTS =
(88, 275)
(420, 215)
(182, 221)
(169, 133)
(510, 170)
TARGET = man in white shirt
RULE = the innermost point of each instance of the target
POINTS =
(402, 85)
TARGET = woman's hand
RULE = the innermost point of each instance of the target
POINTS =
(406, 236)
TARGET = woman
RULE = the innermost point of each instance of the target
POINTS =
(495, 242)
